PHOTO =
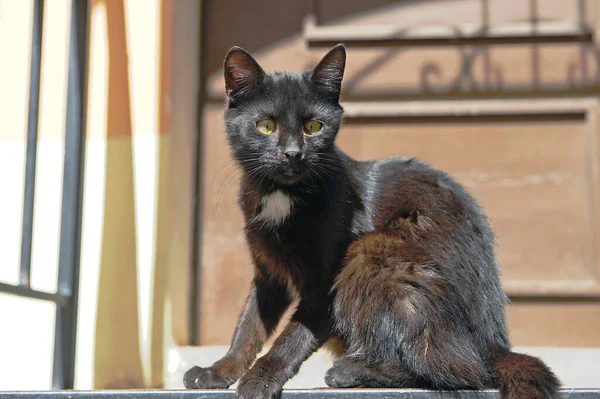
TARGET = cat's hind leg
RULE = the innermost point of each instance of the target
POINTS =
(348, 372)
(393, 306)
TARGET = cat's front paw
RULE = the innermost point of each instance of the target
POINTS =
(254, 387)
(205, 378)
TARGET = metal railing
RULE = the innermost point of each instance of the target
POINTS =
(66, 293)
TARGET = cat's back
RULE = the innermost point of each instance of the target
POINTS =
(431, 219)
(411, 195)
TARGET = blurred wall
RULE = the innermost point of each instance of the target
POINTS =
(125, 235)
(536, 178)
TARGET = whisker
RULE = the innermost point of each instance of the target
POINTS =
(225, 180)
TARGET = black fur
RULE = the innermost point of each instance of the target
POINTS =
(392, 258)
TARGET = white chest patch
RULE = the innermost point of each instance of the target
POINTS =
(275, 208)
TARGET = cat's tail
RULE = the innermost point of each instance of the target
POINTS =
(520, 376)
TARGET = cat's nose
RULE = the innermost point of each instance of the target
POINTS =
(293, 157)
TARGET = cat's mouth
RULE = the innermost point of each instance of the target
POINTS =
(292, 175)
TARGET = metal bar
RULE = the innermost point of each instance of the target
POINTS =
(514, 117)
(32, 133)
(287, 394)
(449, 41)
(553, 298)
(198, 200)
(27, 292)
(70, 237)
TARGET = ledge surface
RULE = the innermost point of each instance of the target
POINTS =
(371, 36)
(295, 393)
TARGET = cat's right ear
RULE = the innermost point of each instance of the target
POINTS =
(242, 72)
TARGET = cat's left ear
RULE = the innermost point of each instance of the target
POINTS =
(242, 72)
(330, 70)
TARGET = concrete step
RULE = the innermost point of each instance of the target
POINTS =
(291, 394)
(576, 367)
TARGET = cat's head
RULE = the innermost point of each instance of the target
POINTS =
(282, 126)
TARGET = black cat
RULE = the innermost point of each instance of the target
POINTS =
(391, 258)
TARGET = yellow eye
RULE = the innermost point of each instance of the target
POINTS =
(312, 127)
(266, 126)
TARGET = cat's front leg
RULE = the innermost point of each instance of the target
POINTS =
(266, 303)
(307, 330)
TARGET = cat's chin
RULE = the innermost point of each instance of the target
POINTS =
(290, 179)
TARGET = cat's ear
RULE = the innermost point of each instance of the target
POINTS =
(242, 72)
(330, 70)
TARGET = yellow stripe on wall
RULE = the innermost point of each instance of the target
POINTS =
(127, 257)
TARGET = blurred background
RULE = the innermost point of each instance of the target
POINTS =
(123, 260)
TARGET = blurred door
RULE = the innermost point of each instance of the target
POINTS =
(529, 151)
